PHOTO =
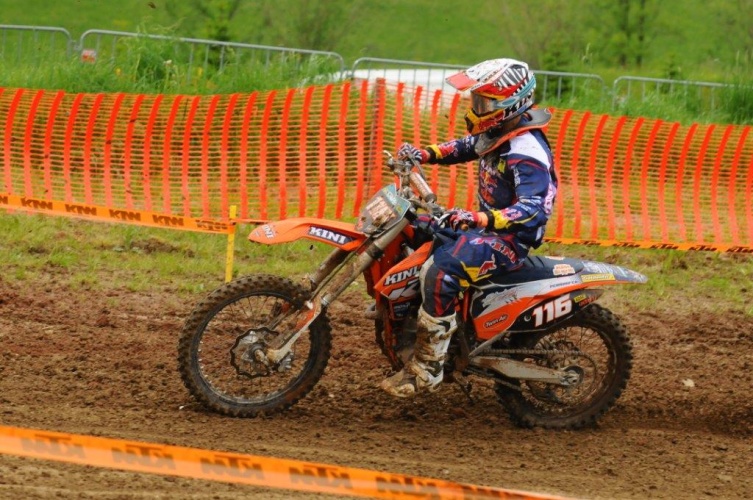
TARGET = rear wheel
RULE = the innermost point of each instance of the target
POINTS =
(226, 349)
(595, 348)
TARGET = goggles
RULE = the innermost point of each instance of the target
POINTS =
(482, 105)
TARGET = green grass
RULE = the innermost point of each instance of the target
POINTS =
(676, 278)
(702, 44)
(81, 252)
(96, 257)
(150, 67)
(692, 39)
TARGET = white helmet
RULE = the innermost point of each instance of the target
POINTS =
(501, 89)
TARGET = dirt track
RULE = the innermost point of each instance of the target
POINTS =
(104, 364)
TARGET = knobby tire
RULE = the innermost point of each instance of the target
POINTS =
(523, 410)
(225, 298)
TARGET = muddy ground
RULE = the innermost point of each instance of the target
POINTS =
(104, 364)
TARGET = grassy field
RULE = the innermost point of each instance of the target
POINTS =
(421, 30)
(701, 45)
(159, 67)
(140, 259)
(694, 37)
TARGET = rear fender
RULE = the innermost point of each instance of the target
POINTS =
(564, 300)
(336, 233)
(598, 273)
(540, 304)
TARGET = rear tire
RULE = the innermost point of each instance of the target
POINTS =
(603, 361)
(218, 342)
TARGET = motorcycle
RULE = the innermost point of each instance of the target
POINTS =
(260, 343)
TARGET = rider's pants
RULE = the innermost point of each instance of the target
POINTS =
(457, 263)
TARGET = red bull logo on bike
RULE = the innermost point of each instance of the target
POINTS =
(326, 234)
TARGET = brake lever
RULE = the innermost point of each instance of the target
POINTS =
(442, 219)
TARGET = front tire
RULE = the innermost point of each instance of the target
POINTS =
(595, 346)
(220, 340)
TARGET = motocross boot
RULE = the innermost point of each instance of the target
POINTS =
(424, 370)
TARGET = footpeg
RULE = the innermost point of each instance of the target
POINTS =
(464, 385)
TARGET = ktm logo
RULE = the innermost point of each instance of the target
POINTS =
(329, 477)
(147, 456)
(233, 466)
(210, 225)
(53, 446)
(408, 486)
(739, 250)
(36, 204)
(80, 209)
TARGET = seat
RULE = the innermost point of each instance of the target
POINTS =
(538, 268)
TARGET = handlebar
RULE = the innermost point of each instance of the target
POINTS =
(411, 176)
(418, 181)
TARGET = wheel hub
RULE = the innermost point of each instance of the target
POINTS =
(248, 355)
(564, 356)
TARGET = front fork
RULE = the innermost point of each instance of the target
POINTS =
(328, 283)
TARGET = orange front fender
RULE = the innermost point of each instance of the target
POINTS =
(336, 233)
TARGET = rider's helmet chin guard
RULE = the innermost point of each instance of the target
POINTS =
(501, 89)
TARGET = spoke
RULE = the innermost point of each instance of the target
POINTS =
(571, 349)
(244, 323)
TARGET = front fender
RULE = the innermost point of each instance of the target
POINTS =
(336, 233)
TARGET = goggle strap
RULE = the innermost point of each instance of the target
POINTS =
(511, 101)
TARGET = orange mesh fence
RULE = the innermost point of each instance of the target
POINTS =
(273, 155)
(632, 182)
(317, 151)
(640, 181)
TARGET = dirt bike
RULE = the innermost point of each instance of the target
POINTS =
(260, 343)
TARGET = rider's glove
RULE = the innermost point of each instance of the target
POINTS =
(408, 151)
(462, 219)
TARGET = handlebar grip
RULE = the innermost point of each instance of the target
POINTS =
(422, 187)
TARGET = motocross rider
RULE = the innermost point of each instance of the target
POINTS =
(517, 185)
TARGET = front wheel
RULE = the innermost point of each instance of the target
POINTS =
(595, 348)
(223, 348)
